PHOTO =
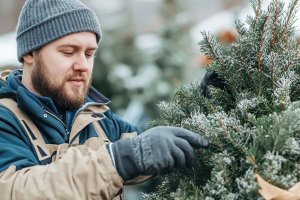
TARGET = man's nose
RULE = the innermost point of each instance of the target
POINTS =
(81, 63)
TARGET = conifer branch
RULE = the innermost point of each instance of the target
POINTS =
(259, 58)
(257, 11)
(274, 24)
(289, 65)
(259, 55)
(290, 12)
(223, 126)
(261, 44)
(273, 78)
(210, 43)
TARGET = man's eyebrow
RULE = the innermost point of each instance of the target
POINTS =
(76, 47)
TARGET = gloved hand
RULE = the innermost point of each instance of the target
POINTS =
(155, 149)
(211, 78)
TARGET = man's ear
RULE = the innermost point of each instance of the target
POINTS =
(28, 59)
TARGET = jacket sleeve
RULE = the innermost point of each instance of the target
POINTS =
(80, 173)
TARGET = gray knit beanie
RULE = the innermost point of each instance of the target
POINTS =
(43, 21)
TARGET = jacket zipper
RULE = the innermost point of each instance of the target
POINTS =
(81, 110)
(65, 126)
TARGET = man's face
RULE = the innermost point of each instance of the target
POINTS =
(62, 70)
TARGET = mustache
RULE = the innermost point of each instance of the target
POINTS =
(77, 76)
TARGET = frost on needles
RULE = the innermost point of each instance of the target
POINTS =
(253, 123)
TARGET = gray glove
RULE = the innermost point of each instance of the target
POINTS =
(158, 148)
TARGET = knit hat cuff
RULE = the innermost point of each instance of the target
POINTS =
(54, 28)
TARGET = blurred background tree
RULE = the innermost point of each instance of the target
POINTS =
(135, 71)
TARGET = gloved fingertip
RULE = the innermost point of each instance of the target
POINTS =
(204, 143)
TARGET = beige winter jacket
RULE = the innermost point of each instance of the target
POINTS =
(77, 172)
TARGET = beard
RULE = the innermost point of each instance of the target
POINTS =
(64, 98)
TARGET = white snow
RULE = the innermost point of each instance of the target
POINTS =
(8, 50)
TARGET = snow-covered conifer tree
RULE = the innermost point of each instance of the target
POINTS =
(252, 120)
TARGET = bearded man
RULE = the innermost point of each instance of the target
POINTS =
(69, 144)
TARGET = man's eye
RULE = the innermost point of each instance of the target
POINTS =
(67, 52)
(89, 55)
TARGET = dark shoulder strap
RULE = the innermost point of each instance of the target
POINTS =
(30, 128)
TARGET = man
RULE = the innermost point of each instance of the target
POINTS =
(74, 149)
